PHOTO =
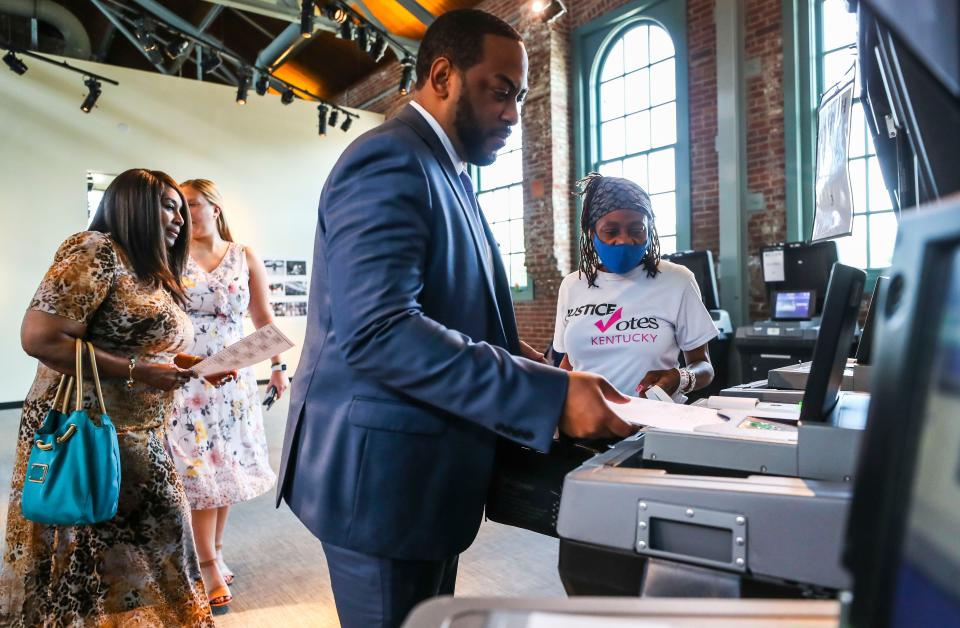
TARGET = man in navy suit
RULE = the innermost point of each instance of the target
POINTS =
(411, 365)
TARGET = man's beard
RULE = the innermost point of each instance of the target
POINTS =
(470, 133)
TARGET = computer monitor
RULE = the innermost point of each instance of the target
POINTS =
(794, 305)
(700, 264)
(864, 349)
(902, 548)
(837, 326)
(799, 266)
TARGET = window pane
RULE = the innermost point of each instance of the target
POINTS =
(858, 181)
(637, 90)
(515, 141)
(835, 65)
(663, 82)
(852, 249)
(635, 169)
(612, 169)
(858, 130)
(879, 196)
(611, 99)
(518, 270)
(635, 48)
(493, 206)
(515, 203)
(661, 45)
(839, 26)
(663, 125)
(611, 139)
(638, 132)
(501, 233)
(662, 173)
(668, 245)
(665, 210)
(613, 64)
(516, 236)
(883, 235)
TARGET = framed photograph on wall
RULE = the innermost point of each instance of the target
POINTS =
(275, 267)
(296, 267)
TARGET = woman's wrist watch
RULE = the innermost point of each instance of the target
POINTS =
(688, 381)
(278, 366)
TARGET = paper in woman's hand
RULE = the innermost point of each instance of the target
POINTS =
(264, 343)
(668, 416)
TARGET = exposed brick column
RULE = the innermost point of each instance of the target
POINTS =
(766, 156)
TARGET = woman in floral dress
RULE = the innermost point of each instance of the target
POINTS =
(117, 285)
(216, 435)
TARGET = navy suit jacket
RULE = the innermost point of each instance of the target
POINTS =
(408, 371)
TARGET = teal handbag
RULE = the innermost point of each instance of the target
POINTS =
(73, 474)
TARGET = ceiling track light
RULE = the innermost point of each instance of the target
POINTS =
(406, 80)
(306, 18)
(15, 63)
(287, 96)
(363, 38)
(263, 82)
(548, 10)
(210, 62)
(243, 85)
(334, 13)
(93, 93)
(143, 33)
(347, 121)
(176, 47)
(379, 48)
(347, 30)
(334, 116)
(322, 118)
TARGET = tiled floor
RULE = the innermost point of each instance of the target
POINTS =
(281, 574)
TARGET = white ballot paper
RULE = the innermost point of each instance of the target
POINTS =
(260, 345)
(663, 415)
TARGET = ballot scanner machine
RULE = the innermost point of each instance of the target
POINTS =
(725, 512)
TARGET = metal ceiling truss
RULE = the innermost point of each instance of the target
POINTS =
(128, 21)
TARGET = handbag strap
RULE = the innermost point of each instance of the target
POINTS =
(96, 376)
(65, 386)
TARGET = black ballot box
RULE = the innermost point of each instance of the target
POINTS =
(526, 485)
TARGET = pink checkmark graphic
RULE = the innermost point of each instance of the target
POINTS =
(610, 323)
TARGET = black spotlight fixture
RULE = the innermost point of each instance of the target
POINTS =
(363, 38)
(406, 80)
(176, 47)
(93, 93)
(334, 116)
(306, 19)
(347, 121)
(143, 33)
(334, 13)
(379, 48)
(263, 82)
(243, 86)
(548, 10)
(14, 62)
(210, 62)
(347, 30)
(322, 118)
(287, 96)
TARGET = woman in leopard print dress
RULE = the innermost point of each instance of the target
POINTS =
(117, 285)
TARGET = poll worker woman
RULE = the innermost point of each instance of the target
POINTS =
(626, 313)
(118, 286)
(216, 435)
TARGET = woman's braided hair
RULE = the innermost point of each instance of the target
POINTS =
(602, 195)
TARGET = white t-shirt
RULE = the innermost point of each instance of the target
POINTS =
(630, 324)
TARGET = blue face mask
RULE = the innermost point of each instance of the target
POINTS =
(620, 258)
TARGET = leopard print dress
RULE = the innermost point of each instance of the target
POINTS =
(140, 568)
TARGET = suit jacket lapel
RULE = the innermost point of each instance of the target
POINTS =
(413, 118)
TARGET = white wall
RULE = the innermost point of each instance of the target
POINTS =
(266, 158)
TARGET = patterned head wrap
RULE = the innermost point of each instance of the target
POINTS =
(602, 195)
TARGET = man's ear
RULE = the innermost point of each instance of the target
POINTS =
(441, 77)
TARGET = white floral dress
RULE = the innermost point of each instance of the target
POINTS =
(215, 435)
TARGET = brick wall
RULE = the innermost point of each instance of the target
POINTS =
(766, 167)
(549, 158)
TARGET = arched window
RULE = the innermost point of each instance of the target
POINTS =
(632, 67)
